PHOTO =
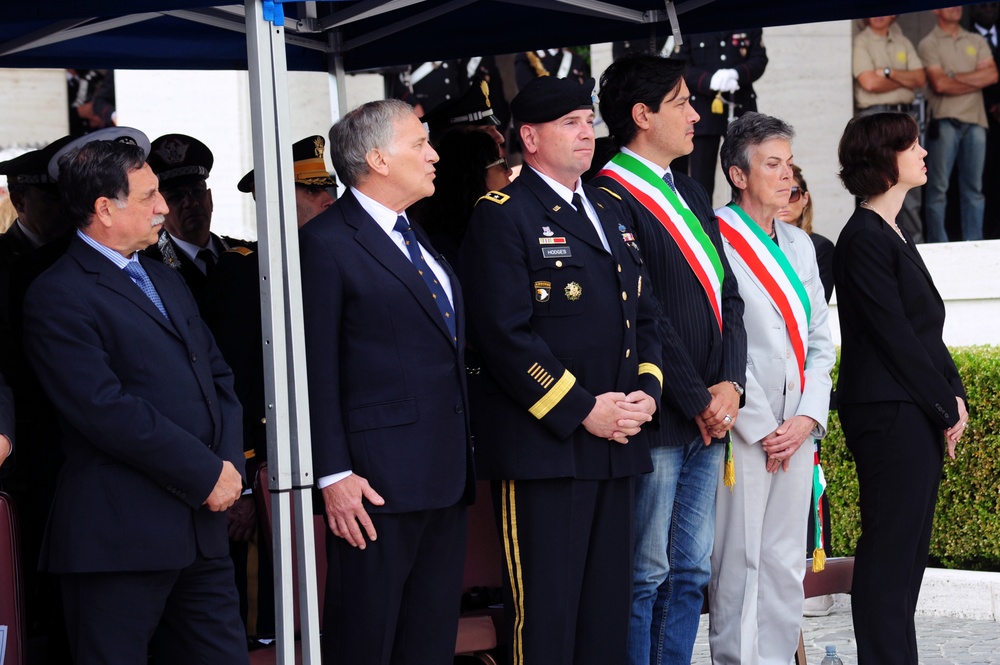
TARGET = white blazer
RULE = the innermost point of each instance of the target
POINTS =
(773, 393)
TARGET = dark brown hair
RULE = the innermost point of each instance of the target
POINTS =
(869, 150)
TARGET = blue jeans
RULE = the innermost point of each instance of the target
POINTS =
(963, 144)
(674, 532)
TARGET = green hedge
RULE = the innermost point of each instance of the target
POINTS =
(967, 523)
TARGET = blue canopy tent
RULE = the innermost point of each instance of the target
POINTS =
(268, 38)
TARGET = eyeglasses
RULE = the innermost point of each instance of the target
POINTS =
(500, 162)
(796, 194)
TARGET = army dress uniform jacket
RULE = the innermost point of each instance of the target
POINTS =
(557, 320)
(709, 52)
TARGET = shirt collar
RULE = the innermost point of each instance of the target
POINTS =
(108, 253)
(383, 216)
(656, 168)
(33, 238)
(564, 192)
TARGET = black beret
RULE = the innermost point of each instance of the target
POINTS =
(179, 159)
(32, 168)
(548, 98)
(472, 108)
(308, 162)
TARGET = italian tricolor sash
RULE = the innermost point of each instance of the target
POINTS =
(771, 268)
(682, 225)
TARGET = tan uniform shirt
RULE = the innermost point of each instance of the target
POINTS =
(955, 55)
(874, 52)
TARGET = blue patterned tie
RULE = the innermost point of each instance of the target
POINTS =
(669, 179)
(136, 272)
(437, 291)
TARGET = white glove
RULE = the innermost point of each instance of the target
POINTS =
(731, 82)
(718, 78)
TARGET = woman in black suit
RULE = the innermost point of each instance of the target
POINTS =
(901, 399)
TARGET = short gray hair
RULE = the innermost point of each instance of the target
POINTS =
(364, 129)
(744, 135)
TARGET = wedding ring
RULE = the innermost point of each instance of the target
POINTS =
(728, 419)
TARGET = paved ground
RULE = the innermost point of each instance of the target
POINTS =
(941, 640)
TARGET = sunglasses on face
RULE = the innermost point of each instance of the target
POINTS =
(500, 162)
(795, 194)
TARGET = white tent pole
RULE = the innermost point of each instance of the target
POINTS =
(288, 444)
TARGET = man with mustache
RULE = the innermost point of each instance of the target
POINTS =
(151, 429)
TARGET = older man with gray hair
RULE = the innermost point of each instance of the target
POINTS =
(390, 431)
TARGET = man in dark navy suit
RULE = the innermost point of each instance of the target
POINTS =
(151, 430)
(562, 315)
(390, 436)
(647, 106)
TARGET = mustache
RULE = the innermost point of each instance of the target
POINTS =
(157, 220)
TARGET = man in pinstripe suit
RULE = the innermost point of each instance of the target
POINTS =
(646, 105)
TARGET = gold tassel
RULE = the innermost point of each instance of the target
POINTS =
(729, 475)
(717, 107)
(819, 560)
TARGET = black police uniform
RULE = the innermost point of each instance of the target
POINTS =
(707, 53)
(428, 83)
(558, 320)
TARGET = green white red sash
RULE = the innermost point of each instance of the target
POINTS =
(771, 268)
(682, 225)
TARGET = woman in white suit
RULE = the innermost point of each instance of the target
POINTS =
(755, 592)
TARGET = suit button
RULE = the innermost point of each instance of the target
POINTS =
(788, 354)
(208, 400)
(619, 267)
(558, 264)
(194, 357)
(459, 409)
(791, 385)
(624, 296)
(628, 352)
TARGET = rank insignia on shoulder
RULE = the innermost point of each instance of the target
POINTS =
(542, 291)
(573, 291)
(611, 193)
(497, 197)
(245, 251)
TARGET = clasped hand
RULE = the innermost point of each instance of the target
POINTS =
(617, 416)
(783, 442)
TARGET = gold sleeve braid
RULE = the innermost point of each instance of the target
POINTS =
(551, 398)
(650, 368)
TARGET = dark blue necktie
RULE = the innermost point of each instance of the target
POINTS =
(437, 291)
(669, 179)
(136, 272)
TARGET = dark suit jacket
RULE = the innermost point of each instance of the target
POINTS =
(891, 321)
(695, 352)
(824, 259)
(709, 52)
(555, 330)
(387, 395)
(148, 416)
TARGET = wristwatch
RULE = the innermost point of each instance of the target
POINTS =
(739, 388)
(887, 71)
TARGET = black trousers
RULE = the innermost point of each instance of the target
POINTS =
(398, 600)
(183, 617)
(567, 569)
(899, 456)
